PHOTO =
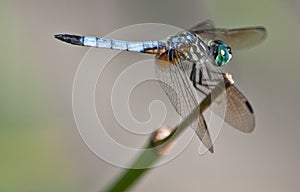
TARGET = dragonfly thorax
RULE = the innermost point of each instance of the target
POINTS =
(192, 48)
(181, 40)
(189, 45)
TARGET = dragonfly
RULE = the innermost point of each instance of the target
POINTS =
(189, 65)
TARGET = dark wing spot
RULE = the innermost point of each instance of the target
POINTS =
(249, 107)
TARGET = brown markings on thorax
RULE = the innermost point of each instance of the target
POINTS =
(165, 61)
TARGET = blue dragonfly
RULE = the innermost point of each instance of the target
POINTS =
(189, 67)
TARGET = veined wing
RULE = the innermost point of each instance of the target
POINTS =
(174, 80)
(239, 38)
(207, 24)
(239, 113)
(232, 106)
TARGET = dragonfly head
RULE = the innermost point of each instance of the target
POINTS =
(220, 52)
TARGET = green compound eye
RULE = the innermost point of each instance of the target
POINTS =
(222, 54)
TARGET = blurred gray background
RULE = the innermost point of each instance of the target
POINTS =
(41, 149)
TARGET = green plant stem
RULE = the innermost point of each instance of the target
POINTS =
(130, 176)
(148, 157)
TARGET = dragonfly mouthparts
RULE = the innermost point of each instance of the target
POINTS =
(73, 39)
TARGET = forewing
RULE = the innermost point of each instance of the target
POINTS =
(172, 95)
(174, 76)
(207, 24)
(239, 38)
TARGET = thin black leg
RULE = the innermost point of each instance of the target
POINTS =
(194, 80)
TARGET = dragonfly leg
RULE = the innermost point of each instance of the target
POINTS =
(201, 78)
(193, 78)
(193, 73)
(210, 79)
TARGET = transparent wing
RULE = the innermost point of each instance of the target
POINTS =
(212, 77)
(172, 95)
(239, 113)
(207, 24)
(174, 79)
(232, 106)
(236, 38)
